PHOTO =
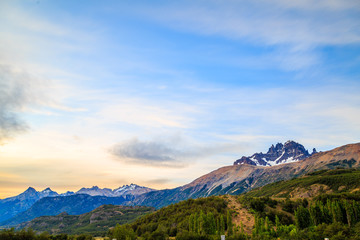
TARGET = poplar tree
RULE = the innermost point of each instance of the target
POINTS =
(302, 217)
(229, 223)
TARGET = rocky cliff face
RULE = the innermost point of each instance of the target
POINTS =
(280, 153)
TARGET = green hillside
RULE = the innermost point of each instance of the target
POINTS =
(332, 211)
(313, 184)
(96, 222)
(191, 218)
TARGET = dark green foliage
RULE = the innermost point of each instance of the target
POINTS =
(257, 204)
(96, 222)
(302, 218)
(199, 217)
(192, 236)
(122, 232)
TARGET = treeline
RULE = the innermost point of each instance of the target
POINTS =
(202, 218)
(29, 234)
(209, 224)
(331, 218)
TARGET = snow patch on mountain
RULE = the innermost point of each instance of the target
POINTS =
(125, 190)
(290, 151)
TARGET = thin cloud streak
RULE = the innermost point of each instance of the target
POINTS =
(294, 28)
(171, 152)
(276, 22)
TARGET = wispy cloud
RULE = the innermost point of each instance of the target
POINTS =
(148, 153)
(297, 28)
(173, 152)
(300, 23)
(16, 92)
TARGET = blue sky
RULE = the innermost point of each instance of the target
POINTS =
(158, 92)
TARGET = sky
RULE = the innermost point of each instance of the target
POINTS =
(158, 93)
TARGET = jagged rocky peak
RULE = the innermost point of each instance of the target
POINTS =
(290, 151)
(30, 189)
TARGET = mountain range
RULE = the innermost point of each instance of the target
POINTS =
(290, 151)
(281, 162)
(12, 206)
(126, 191)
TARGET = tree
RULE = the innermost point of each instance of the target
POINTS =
(121, 232)
(229, 224)
(302, 217)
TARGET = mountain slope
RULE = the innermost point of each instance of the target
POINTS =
(98, 221)
(312, 184)
(241, 178)
(334, 216)
(74, 204)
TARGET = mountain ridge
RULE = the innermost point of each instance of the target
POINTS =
(75, 204)
(236, 179)
(290, 151)
(10, 207)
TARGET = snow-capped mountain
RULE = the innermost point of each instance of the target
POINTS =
(47, 193)
(96, 191)
(125, 190)
(290, 151)
(11, 206)
(131, 189)
(68, 193)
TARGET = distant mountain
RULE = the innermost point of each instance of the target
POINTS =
(9, 207)
(96, 191)
(74, 204)
(97, 221)
(237, 179)
(127, 191)
(288, 152)
(131, 190)
(12, 206)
